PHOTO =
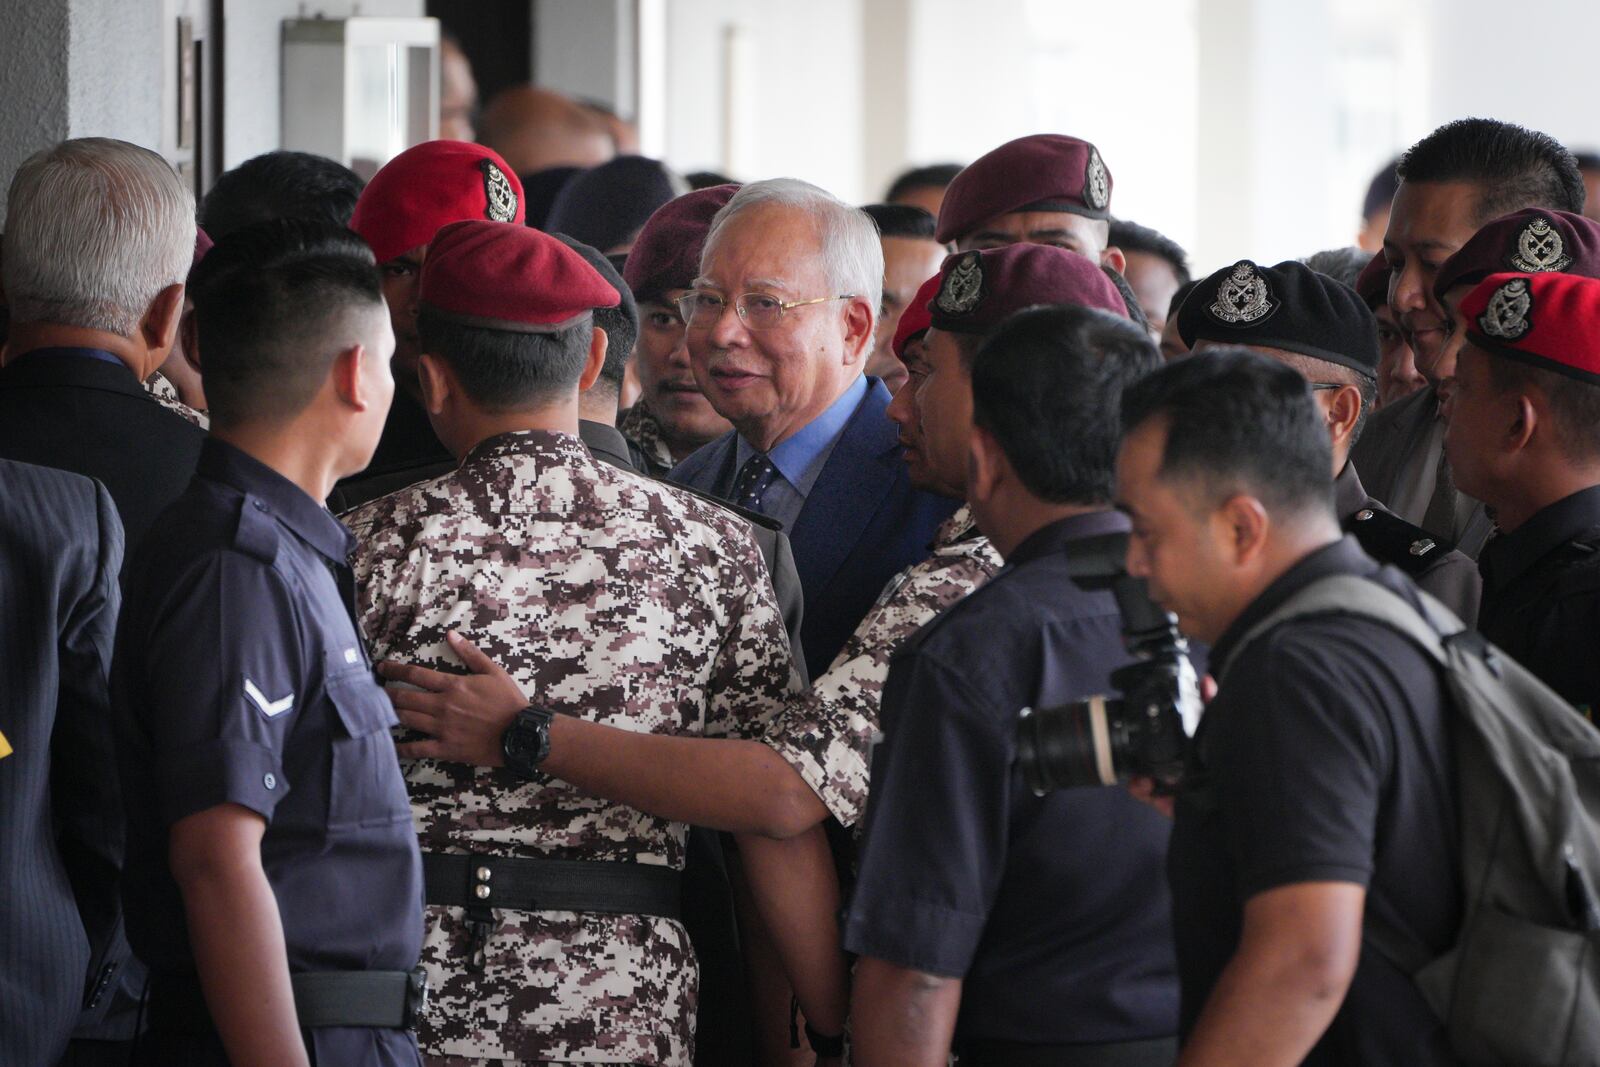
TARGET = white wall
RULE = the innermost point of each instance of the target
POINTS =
(796, 103)
(252, 115)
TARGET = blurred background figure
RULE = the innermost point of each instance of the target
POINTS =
(458, 92)
(923, 186)
(1375, 208)
(911, 256)
(624, 135)
(608, 205)
(707, 179)
(1156, 266)
(280, 185)
(1589, 165)
(1172, 343)
(1343, 265)
(534, 129)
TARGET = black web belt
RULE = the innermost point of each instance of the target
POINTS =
(481, 884)
(384, 999)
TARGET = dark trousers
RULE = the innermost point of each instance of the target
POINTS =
(1160, 1052)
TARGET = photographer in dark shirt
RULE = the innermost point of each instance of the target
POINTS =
(1319, 791)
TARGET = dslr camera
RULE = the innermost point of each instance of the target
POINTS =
(1144, 731)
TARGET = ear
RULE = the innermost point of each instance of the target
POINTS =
(189, 330)
(1244, 527)
(438, 383)
(1344, 411)
(859, 324)
(987, 466)
(350, 375)
(1529, 419)
(158, 329)
(1112, 257)
(599, 344)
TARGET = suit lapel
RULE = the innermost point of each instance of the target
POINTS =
(861, 470)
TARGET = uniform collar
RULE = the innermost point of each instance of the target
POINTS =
(272, 493)
(800, 458)
(959, 527)
(1059, 535)
(549, 446)
(1343, 556)
(605, 442)
(1509, 555)
(1349, 495)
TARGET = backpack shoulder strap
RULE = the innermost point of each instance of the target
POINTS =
(1347, 594)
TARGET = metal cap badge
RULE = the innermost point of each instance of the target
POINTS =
(1540, 248)
(501, 199)
(1096, 182)
(963, 286)
(1506, 317)
(1243, 297)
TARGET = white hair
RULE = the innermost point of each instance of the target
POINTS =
(852, 255)
(95, 228)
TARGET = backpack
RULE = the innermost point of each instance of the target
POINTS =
(1521, 984)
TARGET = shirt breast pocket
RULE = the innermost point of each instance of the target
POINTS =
(365, 788)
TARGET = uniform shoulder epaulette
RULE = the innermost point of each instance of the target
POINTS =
(754, 518)
(1388, 538)
(257, 533)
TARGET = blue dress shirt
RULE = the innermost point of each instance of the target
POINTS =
(800, 458)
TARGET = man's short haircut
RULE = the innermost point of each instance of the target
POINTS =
(933, 176)
(1343, 265)
(1047, 383)
(273, 306)
(504, 370)
(852, 257)
(1136, 313)
(620, 322)
(1381, 189)
(1132, 237)
(280, 185)
(1238, 422)
(1574, 405)
(95, 229)
(1513, 166)
(902, 220)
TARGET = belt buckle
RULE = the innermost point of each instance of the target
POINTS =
(416, 996)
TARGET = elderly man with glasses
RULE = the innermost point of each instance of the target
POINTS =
(780, 324)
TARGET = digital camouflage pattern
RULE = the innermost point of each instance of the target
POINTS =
(607, 596)
(640, 425)
(827, 732)
(165, 393)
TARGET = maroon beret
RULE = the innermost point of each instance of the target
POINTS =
(1530, 241)
(666, 254)
(1372, 286)
(1549, 320)
(429, 185)
(977, 289)
(511, 278)
(1041, 172)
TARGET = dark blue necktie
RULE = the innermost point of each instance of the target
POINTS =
(754, 477)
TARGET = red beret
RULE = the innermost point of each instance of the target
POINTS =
(1372, 286)
(1530, 241)
(1550, 321)
(429, 185)
(202, 244)
(666, 254)
(1042, 172)
(916, 318)
(978, 289)
(511, 278)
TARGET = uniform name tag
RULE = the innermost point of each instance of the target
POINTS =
(270, 708)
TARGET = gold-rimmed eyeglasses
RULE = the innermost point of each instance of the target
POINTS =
(702, 308)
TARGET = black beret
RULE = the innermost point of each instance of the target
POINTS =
(1289, 307)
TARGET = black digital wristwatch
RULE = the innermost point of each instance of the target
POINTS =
(526, 742)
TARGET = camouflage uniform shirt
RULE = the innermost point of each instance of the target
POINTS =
(639, 425)
(163, 392)
(606, 596)
(827, 732)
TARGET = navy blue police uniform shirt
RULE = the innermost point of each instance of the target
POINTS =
(1541, 596)
(1054, 910)
(1324, 757)
(241, 678)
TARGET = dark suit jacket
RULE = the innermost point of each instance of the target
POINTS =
(1390, 436)
(60, 812)
(862, 522)
(81, 414)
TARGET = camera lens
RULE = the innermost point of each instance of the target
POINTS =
(1072, 745)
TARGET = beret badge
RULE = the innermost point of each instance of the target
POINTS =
(1242, 298)
(962, 287)
(501, 199)
(1506, 317)
(1096, 182)
(1540, 249)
